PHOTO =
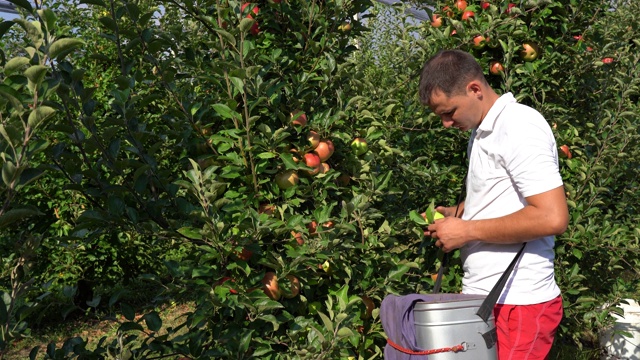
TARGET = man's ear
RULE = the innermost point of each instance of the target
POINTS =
(474, 88)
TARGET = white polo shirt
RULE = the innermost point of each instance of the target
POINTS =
(512, 155)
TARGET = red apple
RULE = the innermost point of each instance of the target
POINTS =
(245, 255)
(485, 5)
(577, 37)
(447, 11)
(266, 208)
(607, 60)
(254, 28)
(324, 150)
(294, 289)
(255, 9)
(565, 152)
(314, 139)
(270, 285)
(223, 280)
(496, 68)
(298, 237)
(530, 51)
(299, 118)
(312, 160)
(467, 15)
(287, 179)
(312, 227)
(343, 180)
(479, 41)
(436, 21)
(461, 5)
(509, 7)
(369, 306)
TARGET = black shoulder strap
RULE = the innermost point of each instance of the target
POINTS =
(489, 302)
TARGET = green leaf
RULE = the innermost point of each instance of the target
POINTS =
(18, 214)
(153, 321)
(127, 311)
(417, 218)
(39, 115)
(23, 4)
(49, 18)
(61, 47)
(8, 173)
(5, 26)
(191, 233)
(94, 2)
(328, 325)
(345, 332)
(35, 74)
(226, 36)
(398, 271)
(12, 95)
(14, 64)
(245, 24)
(4, 315)
(225, 111)
(129, 326)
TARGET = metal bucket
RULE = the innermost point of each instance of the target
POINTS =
(447, 321)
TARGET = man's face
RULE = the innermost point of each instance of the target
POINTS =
(463, 111)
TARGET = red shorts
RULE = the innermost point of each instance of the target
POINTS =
(525, 332)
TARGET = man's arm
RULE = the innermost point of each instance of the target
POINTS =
(545, 214)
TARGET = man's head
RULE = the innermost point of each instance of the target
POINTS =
(449, 72)
(453, 86)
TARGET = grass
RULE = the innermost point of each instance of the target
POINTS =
(91, 328)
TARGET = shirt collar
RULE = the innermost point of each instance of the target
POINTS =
(489, 120)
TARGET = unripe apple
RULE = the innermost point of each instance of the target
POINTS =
(314, 139)
(287, 179)
(467, 15)
(344, 27)
(326, 266)
(298, 118)
(359, 146)
(530, 51)
(270, 285)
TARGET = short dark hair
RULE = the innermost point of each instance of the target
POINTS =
(448, 71)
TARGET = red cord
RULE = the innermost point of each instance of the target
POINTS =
(454, 349)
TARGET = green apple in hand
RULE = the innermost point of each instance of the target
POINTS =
(426, 218)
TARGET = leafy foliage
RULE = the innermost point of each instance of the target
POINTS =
(153, 149)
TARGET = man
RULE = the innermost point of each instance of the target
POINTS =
(514, 195)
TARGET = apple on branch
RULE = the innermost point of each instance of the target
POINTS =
(530, 51)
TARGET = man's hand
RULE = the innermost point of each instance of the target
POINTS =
(449, 233)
